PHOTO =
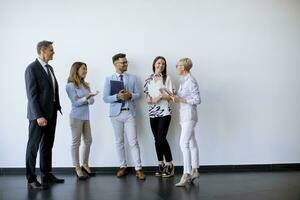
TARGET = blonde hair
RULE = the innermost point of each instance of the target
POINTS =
(187, 63)
(74, 78)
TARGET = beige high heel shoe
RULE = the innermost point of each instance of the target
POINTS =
(195, 174)
(184, 181)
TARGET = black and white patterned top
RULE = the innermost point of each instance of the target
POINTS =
(152, 87)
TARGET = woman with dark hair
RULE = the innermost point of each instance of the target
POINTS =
(156, 89)
(81, 97)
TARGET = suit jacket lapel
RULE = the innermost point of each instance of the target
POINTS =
(114, 77)
(44, 72)
(125, 80)
(56, 84)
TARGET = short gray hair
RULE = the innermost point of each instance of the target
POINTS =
(187, 63)
(43, 45)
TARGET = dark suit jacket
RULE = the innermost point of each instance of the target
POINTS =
(40, 92)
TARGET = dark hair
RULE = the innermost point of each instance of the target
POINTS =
(74, 78)
(42, 45)
(117, 56)
(164, 73)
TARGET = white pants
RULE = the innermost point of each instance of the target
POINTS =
(80, 128)
(189, 147)
(124, 124)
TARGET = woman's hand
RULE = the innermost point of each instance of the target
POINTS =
(155, 100)
(177, 99)
(92, 94)
(149, 99)
(166, 97)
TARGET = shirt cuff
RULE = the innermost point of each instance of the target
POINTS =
(188, 101)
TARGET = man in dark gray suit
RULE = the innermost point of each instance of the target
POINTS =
(43, 104)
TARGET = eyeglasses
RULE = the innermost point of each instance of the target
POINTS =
(123, 63)
(179, 65)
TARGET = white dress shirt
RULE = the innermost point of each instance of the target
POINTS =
(52, 76)
(189, 90)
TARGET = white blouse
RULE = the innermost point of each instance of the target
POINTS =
(189, 90)
(152, 88)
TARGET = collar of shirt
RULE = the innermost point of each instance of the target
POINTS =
(43, 64)
(185, 78)
(157, 75)
(118, 75)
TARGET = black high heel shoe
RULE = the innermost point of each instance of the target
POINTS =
(83, 177)
(88, 173)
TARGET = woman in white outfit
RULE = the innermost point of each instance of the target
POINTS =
(188, 97)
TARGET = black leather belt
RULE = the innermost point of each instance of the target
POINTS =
(123, 109)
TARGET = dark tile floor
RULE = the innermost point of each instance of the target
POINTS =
(210, 186)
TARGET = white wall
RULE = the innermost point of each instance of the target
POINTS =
(246, 59)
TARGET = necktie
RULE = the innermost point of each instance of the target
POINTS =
(121, 79)
(51, 80)
(49, 74)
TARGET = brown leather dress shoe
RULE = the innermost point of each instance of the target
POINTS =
(122, 172)
(140, 175)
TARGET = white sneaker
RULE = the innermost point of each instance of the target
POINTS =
(185, 180)
(194, 175)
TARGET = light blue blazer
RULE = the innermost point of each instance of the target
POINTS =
(130, 83)
(80, 105)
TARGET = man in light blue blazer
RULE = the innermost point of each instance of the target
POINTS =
(122, 114)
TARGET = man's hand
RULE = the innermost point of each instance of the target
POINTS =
(127, 95)
(42, 121)
(124, 95)
(120, 95)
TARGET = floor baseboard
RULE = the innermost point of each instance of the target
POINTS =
(178, 169)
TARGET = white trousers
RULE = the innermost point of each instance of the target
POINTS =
(189, 147)
(124, 124)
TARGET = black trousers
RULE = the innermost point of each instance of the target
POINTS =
(160, 126)
(40, 138)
